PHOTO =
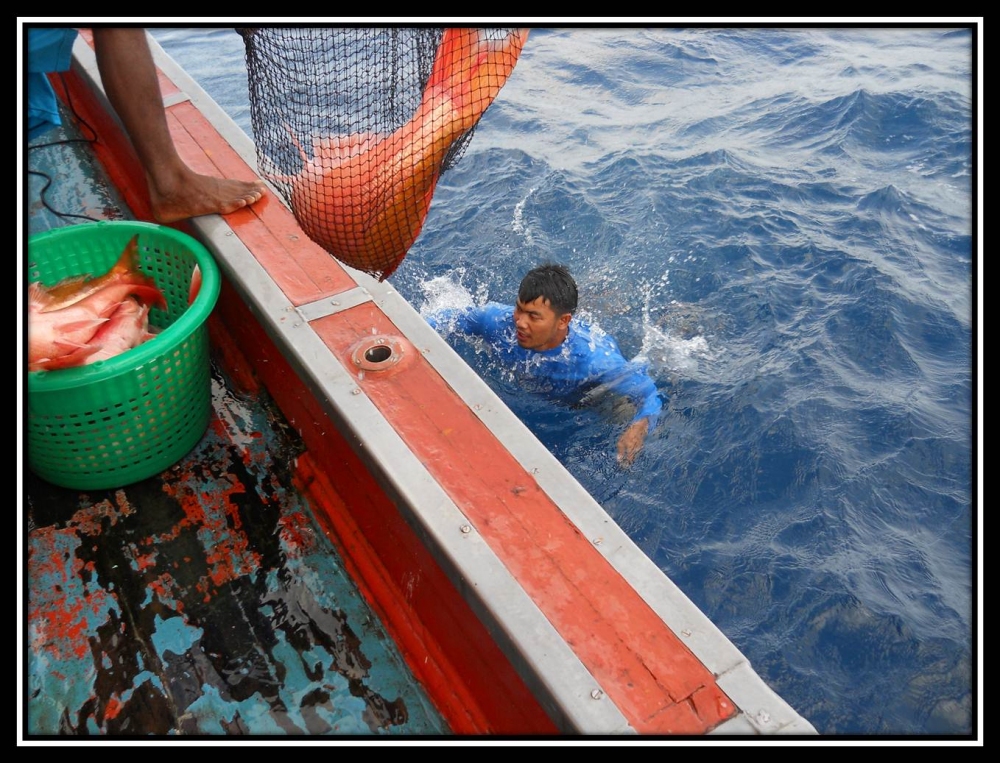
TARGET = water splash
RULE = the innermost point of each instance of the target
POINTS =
(671, 353)
(445, 292)
(674, 333)
(518, 222)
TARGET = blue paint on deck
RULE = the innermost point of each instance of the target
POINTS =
(151, 612)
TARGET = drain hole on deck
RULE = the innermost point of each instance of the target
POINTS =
(378, 354)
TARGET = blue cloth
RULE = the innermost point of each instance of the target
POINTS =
(49, 50)
(587, 363)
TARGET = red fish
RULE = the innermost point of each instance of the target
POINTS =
(195, 286)
(124, 278)
(127, 327)
(63, 319)
(59, 338)
(364, 198)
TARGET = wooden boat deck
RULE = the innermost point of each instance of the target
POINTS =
(515, 601)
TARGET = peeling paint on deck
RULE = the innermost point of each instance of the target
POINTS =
(205, 601)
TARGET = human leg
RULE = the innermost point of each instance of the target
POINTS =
(176, 192)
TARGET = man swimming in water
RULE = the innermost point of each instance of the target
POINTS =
(567, 359)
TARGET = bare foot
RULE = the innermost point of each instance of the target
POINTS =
(195, 195)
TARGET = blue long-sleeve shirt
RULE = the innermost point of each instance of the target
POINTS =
(585, 364)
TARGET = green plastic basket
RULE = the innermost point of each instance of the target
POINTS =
(121, 420)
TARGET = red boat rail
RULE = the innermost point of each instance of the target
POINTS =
(517, 601)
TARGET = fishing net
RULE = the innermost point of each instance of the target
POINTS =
(355, 126)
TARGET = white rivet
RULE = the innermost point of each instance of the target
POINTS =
(597, 694)
(466, 529)
(355, 391)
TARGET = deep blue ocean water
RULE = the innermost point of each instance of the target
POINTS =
(780, 223)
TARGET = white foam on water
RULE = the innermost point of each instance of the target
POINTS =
(518, 222)
(442, 292)
(663, 349)
(670, 353)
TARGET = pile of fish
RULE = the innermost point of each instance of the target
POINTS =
(84, 319)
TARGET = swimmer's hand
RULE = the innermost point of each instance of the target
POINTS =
(631, 441)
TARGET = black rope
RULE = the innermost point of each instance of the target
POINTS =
(48, 182)
(48, 179)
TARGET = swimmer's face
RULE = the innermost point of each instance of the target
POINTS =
(538, 326)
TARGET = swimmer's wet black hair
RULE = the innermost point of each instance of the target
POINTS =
(554, 283)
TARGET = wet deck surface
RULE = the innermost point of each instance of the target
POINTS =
(205, 600)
